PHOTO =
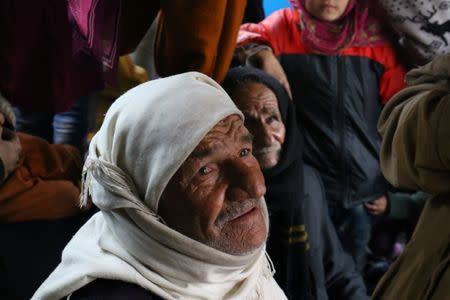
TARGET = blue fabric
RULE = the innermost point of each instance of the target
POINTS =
(272, 5)
(68, 127)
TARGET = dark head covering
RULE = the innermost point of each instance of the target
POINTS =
(288, 240)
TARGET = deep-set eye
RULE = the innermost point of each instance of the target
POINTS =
(272, 119)
(244, 152)
(204, 171)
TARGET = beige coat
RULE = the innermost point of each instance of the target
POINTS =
(415, 127)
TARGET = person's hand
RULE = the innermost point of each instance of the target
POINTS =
(377, 206)
(267, 61)
(10, 148)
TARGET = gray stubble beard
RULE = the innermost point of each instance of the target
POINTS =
(225, 244)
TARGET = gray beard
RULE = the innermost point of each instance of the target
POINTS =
(225, 245)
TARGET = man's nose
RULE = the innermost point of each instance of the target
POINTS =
(264, 135)
(249, 179)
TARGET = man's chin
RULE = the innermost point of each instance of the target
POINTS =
(256, 234)
(250, 235)
(267, 161)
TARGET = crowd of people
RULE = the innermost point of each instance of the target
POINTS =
(201, 150)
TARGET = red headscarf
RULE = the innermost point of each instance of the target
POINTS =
(355, 28)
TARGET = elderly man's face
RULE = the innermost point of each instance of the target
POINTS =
(216, 195)
(263, 118)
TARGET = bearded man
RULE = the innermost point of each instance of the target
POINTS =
(181, 199)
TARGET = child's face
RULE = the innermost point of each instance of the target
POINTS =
(326, 10)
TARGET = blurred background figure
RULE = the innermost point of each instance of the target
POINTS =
(415, 154)
(421, 28)
(39, 205)
(44, 80)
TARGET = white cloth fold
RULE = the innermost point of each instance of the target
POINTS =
(146, 136)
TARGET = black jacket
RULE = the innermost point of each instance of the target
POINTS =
(333, 271)
(104, 289)
(338, 105)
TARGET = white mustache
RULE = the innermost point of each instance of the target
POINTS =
(272, 148)
(235, 210)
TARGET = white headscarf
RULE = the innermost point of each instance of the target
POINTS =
(146, 136)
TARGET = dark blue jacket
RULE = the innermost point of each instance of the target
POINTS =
(333, 271)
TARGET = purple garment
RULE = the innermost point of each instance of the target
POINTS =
(97, 31)
(40, 67)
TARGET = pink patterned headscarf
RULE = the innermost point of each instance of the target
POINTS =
(355, 28)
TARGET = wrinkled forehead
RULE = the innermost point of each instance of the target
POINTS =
(256, 97)
(228, 125)
(228, 130)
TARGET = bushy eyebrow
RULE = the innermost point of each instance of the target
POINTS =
(272, 111)
(202, 152)
(206, 151)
